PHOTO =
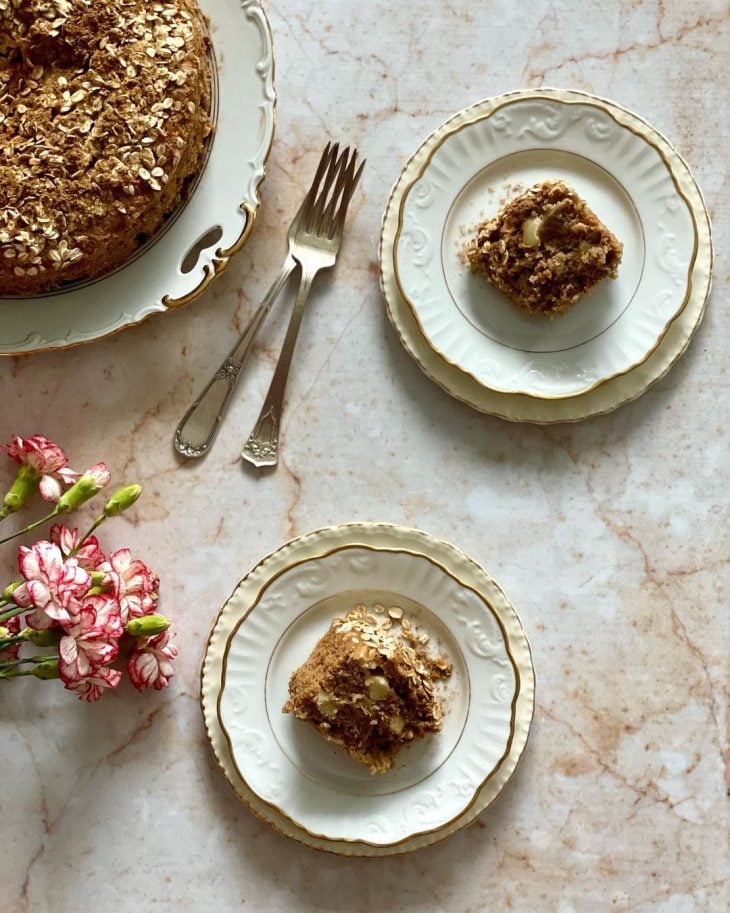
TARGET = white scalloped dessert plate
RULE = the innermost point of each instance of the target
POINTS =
(222, 206)
(308, 787)
(628, 174)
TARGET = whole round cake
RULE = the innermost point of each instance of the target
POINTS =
(104, 113)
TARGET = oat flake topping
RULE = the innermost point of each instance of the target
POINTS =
(103, 114)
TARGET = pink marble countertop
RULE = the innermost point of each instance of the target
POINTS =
(608, 536)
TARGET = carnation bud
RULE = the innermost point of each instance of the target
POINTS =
(90, 484)
(21, 491)
(45, 637)
(121, 500)
(46, 670)
(147, 626)
(7, 593)
(97, 578)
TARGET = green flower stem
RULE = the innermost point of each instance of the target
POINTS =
(11, 613)
(21, 638)
(45, 637)
(92, 529)
(44, 669)
(82, 491)
(26, 659)
(14, 673)
(31, 527)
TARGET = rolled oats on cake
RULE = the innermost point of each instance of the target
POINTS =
(104, 113)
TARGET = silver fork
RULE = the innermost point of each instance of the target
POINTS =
(197, 430)
(315, 246)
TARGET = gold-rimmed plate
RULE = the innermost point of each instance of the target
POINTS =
(199, 240)
(309, 788)
(631, 177)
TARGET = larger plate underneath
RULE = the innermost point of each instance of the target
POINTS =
(307, 787)
(484, 351)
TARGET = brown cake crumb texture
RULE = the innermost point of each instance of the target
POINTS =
(545, 249)
(104, 111)
(369, 685)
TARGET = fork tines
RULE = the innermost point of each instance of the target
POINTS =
(338, 176)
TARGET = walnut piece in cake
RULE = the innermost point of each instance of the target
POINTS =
(545, 249)
(368, 685)
(104, 113)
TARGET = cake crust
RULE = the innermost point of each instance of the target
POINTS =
(545, 249)
(368, 686)
(104, 112)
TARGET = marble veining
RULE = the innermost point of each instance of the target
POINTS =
(609, 536)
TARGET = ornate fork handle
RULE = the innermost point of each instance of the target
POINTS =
(262, 447)
(199, 426)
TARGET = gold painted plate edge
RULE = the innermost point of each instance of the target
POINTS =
(513, 406)
(312, 545)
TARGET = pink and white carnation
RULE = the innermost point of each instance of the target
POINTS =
(47, 459)
(150, 662)
(51, 585)
(92, 687)
(89, 555)
(92, 642)
(133, 584)
(95, 612)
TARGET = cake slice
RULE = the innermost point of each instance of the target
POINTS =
(369, 686)
(545, 249)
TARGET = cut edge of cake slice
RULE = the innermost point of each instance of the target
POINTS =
(545, 249)
(368, 686)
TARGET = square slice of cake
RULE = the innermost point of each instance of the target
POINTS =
(545, 249)
(368, 685)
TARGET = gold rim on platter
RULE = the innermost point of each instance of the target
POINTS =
(378, 537)
(493, 400)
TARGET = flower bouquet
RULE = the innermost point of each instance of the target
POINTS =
(78, 614)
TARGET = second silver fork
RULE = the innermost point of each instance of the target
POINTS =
(196, 432)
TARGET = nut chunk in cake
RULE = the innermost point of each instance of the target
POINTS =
(545, 249)
(369, 686)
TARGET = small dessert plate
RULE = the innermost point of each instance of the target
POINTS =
(285, 769)
(603, 399)
(630, 177)
(198, 241)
